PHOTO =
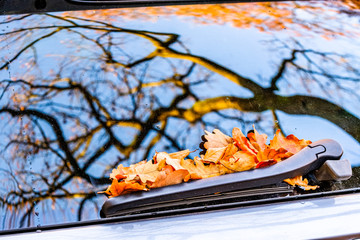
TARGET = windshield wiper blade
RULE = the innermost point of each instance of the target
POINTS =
(307, 160)
(205, 201)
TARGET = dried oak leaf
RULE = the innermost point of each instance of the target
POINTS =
(166, 178)
(119, 172)
(240, 161)
(145, 170)
(231, 149)
(180, 155)
(258, 140)
(175, 163)
(216, 139)
(266, 163)
(291, 143)
(242, 142)
(120, 188)
(298, 181)
(214, 154)
(198, 170)
(274, 154)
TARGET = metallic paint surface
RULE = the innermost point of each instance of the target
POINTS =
(306, 219)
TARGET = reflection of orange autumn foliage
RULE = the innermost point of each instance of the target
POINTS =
(264, 16)
(223, 155)
(352, 4)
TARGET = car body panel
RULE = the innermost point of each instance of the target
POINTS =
(303, 219)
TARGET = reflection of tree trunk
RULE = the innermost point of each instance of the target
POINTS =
(319, 107)
(305, 105)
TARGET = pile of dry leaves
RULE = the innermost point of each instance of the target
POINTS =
(223, 155)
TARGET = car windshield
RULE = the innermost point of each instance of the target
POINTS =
(83, 91)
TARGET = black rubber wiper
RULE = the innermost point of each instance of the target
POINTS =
(307, 160)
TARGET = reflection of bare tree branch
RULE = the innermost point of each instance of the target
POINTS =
(277, 124)
(56, 128)
(282, 69)
(27, 47)
(304, 105)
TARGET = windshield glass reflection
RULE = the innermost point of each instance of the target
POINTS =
(81, 92)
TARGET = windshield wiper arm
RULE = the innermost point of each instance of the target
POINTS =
(307, 160)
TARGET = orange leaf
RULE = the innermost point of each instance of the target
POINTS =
(214, 154)
(198, 170)
(120, 188)
(266, 163)
(217, 139)
(169, 178)
(298, 181)
(231, 149)
(120, 170)
(146, 171)
(180, 155)
(272, 154)
(258, 140)
(242, 142)
(175, 163)
(290, 143)
(240, 161)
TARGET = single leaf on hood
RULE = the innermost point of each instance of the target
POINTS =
(242, 142)
(217, 139)
(290, 143)
(120, 188)
(298, 181)
(240, 161)
(258, 140)
(214, 154)
(166, 178)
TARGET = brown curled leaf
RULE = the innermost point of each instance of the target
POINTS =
(242, 142)
(290, 143)
(120, 188)
(216, 139)
(240, 161)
